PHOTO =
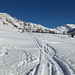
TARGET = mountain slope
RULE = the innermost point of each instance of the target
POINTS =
(23, 26)
(35, 53)
(64, 29)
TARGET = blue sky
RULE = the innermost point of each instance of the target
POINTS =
(49, 13)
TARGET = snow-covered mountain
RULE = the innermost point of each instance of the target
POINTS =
(34, 53)
(22, 26)
(64, 28)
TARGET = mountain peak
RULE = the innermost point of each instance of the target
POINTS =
(22, 26)
(4, 14)
(64, 28)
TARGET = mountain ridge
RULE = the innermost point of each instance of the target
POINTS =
(23, 26)
(64, 28)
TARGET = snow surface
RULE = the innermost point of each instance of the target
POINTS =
(35, 53)
(63, 29)
(22, 26)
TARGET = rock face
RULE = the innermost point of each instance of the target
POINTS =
(22, 26)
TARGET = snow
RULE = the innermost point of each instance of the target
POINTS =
(35, 53)
(21, 26)
(63, 29)
(60, 46)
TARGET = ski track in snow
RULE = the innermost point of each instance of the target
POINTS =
(16, 60)
(49, 62)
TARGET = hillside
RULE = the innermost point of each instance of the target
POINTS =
(64, 28)
(22, 26)
(34, 53)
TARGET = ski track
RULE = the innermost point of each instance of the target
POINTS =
(49, 62)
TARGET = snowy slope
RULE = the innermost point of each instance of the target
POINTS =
(57, 54)
(15, 48)
(64, 28)
(35, 53)
(22, 26)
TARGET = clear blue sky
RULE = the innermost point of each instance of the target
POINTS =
(49, 13)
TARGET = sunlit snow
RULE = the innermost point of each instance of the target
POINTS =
(35, 53)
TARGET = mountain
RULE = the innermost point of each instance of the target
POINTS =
(64, 28)
(34, 53)
(22, 26)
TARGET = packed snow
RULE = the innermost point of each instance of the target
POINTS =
(35, 53)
